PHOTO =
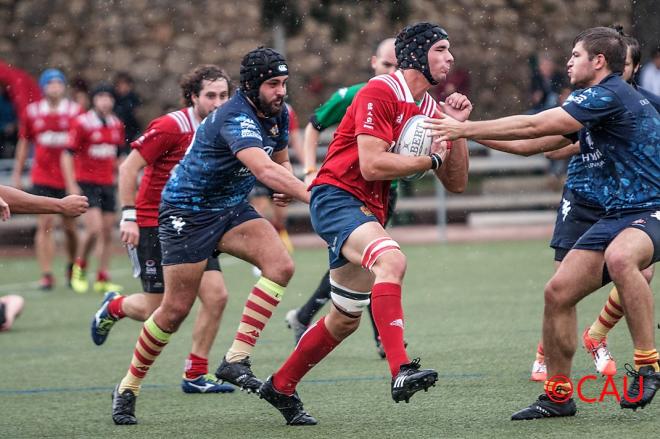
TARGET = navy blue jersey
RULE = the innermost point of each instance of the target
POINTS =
(578, 179)
(210, 177)
(653, 98)
(620, 144)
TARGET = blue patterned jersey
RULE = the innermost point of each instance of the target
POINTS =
(578, 179)
(210, 177)
(620, 144)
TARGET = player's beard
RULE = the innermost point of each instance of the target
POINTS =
(272, 108)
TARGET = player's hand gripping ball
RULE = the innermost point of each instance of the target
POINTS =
(414, 141)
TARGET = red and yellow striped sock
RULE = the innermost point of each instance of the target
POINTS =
(609, 316)
(150, 343)
(540, 355)
(647, 358)
(558, 388)
(261, 303)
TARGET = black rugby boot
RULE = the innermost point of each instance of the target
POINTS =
(239, 374)
(544, 407)
(123, 407)
(411, 379)
(650, 383)
(291, 407)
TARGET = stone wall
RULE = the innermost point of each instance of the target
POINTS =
(158, 40)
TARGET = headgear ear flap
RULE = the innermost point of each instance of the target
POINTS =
(258, 66)
(413, 44)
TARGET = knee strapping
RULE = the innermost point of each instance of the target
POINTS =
(375, 249)
(347, 300)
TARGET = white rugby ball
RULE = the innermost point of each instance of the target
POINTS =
(414, 141)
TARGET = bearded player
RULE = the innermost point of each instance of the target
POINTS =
(348, 207)
(157, 151)
(204, 211)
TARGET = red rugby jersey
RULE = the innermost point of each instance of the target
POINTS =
(49, 130)
(94, 145)
(380, 109)
(162, 146)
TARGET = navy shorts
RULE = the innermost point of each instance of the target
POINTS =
(149, 255)
(188, 236)
(574, 217)
(335, 214)
(99, 196)
(599, 236)
(47, 191)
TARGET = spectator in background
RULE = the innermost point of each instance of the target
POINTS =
(649, 78)
(80, 92)
(8, 125)
(126, 102)
(547, 82)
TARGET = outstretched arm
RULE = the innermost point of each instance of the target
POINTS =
(5, 213)
(273, 175)
(22, 202)
(527, 147)
(565, 152)
(555, 121)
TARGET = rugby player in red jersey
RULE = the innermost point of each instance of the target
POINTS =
(88, 167)
(348, 209)
(46, 124)
(157, 151)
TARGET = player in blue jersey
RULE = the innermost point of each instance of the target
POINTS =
(578, 211)
(619, 134)
(204, 211)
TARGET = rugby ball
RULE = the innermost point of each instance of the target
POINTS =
(413, 141)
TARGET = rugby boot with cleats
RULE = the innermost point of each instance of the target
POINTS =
(650, 382)
(47, 282)
(123, 407)
(411, 379)
(294, 324)
(79, 281)
(102, 322)
(291, 407)
(205, 384)
(239, 374)
(539, 371)
(544, 407)
(603, 360)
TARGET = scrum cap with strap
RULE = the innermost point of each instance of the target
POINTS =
(412, 47)
(258, 66)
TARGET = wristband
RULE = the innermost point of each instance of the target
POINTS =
(436, 161)
(128, 213)
(310, 170)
